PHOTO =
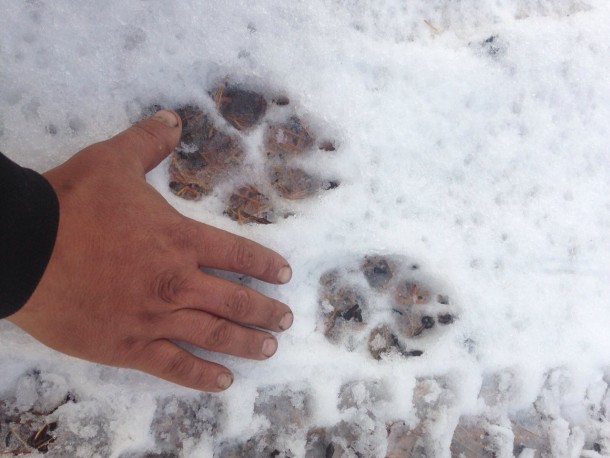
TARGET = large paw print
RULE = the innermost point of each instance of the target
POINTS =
(267, 174)
(384, 303)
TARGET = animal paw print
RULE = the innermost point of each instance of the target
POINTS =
(384, 303)
(212, 152)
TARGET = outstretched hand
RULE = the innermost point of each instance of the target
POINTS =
(124, 280)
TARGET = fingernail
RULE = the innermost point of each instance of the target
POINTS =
(269, 347)
(286, 321)
(224, 381)
(284, 275)
(166, 117)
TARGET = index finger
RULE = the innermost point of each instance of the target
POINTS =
(222, 250)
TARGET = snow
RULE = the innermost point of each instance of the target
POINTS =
(472, 138)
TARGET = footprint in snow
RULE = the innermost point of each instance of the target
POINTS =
(212, 152)
(383, 304)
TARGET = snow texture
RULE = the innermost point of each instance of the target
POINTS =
(471, 138)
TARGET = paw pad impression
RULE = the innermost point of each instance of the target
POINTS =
(383, 303)
(211, 153)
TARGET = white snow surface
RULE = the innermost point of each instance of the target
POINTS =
(484, 161)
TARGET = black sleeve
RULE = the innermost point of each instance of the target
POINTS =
(29, 216)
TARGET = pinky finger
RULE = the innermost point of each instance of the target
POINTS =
(166, 360)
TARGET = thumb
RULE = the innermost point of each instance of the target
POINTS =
(149, 141)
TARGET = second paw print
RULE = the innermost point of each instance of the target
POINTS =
(212, 153)
(384, 303)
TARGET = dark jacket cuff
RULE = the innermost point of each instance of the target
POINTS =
(29, 218)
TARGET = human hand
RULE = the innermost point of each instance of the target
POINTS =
(124, 279)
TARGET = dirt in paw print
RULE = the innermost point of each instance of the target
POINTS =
(204, 157)
(385, 304)
(266, 176)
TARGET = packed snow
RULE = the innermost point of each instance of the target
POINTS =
(472, 140)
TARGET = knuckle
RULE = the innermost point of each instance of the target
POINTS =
(275, 311)
(255, 344)
(201, 378)
(239, 304)
(220, 335)
(242, 255)
(180, 365)
(269, 267)
(185, 235)
(168, 285)
(127, 350)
